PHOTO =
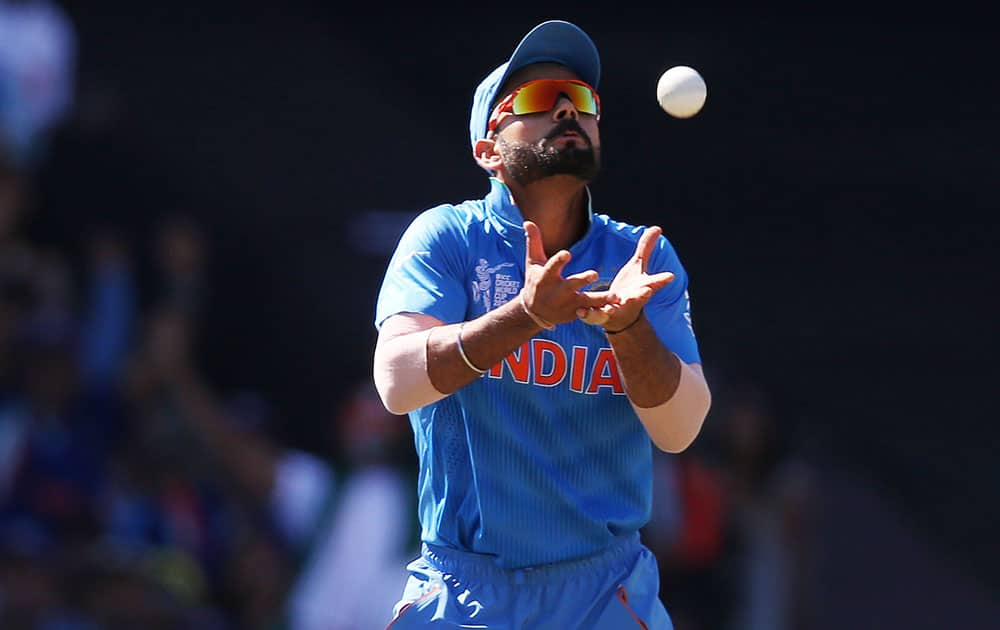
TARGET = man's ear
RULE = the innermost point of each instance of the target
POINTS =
(486, 154)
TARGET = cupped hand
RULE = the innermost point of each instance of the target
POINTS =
(546, 293)
(631, 288)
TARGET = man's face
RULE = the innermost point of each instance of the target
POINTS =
(561, 141)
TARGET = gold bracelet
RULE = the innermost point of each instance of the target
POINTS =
(461, 351)
(535, 318)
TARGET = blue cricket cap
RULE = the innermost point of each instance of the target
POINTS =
(555, 41)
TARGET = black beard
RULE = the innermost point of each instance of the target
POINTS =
(527, 163)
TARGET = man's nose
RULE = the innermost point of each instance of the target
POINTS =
(565, 109)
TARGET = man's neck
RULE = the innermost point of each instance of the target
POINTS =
(558, 206)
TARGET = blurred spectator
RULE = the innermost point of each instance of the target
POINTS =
(732, 523)
(770, 495)
(180, 260)
(109, 587)
(689, 533)
(14, 304)
(163, 496)
(37, 75)
(258, 577)
(355, 573)
(16, 270)
(348, 542)
(57, 429)
(29, 586)
(13, 205)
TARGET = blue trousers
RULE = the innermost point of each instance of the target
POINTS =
(617, 589)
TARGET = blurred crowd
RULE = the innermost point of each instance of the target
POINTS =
(135, 493)
(734, 522)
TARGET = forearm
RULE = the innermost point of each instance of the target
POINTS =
(650, 372)
(250, 460)
(417, 359)
(486, 340)
(670, 397)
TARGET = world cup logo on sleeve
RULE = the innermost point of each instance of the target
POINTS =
(492, 288)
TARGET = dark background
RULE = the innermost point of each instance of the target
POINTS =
(835, 202)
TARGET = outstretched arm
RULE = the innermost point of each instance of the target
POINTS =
(419, 359)
(670, 397)
(250, 459)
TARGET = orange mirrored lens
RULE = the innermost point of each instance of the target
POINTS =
(541, 96)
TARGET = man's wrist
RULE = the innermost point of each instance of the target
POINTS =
(642, 314)
(535, 318)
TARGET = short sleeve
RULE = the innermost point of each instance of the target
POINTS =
(669, 310)
(425, 273)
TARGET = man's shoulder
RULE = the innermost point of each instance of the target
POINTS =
(448, 220)
(618, 228)
(615, 228)
(628, 234)
(462, 213)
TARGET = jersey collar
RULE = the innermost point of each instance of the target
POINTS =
(507, 217)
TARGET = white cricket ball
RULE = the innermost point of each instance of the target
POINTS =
(681, 91)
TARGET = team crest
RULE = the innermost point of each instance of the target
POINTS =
(492, 287)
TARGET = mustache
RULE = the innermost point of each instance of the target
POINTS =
(567, 124)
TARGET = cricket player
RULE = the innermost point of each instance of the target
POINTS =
(541, 349)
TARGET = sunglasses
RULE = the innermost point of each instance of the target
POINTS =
(538, 96)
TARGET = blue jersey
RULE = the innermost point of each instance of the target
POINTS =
(542, 459)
